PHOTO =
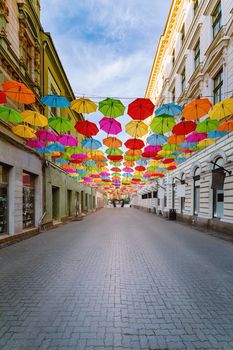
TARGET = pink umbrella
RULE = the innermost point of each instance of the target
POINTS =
(79, 156)
(46, 135)
(128, 170)
(196, 136)
(67, 140)
(104, 173)
(152, 149)
(69, 170)
(87, 179)
(35, 143)
(94, 176)
(110, 125)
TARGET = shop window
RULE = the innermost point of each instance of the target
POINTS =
(3, 199)
(183, 79)
(217, 19)
(28, 200)
(197, 55)
(218, 177)
(218, 87)
(195, 6)
(196, 184)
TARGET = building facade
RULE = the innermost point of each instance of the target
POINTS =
(194, 59)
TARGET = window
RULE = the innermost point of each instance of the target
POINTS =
(149, 195)
(182, 32)
(53, 109)
(197, 55)
(174, 95)
(195, 6)
(182, 199)
(173, 193)
(183, 78)
(3, 199)
(28, 200)
(218, 177)
(173, 57)
(196, 184)
(165, 201)
(155, 194)
(218, 83)
(217, 19)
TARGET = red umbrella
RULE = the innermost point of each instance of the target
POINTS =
(3, 97)
(110, 125)
(134, 144)
(115, 158)
(172, 167)
(116, 169)
(149, 154)
(141, 108)
(140, 168)
(167, 161)
(86, 128)
(184, 128)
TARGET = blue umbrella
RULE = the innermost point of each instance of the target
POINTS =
(43, 150)
(214, 134)
(161, 169)
(187, 144)
(56, 147)
(176, 153)
(127, 175)
(142, 162)
(156, 140)
(169, 108)
(91, 143)
(180, 160)
(89, 162)
(55, 101)
(62, 161)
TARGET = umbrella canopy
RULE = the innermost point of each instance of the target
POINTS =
(35, 143)
(227, 125)
(24, 131)
(116, 169)
(206, 143)
(215, 134)
(3, 97)
(110, 126)
(128, 170)
(141, 108)
(114, 152)
(86, 128)
(18, 92)
(171, 109)
(83, 105)
(156, 140)
(91, 143)
(55, 147)
(197, 109)
(184, 128)
(136, 128)
(34, 118)
(196, 137)
(60, 124)
(134, 143)
(10, 115)
(111, 107)
(140, 168)
(112, 142)
(222, 109)
(160, 125)
(176, 139)
(153, 149)
(207, 125)
(133, 152)
(55, 101)
(67, 140)
(46, 135)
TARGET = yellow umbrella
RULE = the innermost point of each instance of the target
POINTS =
(222, 109)
(206, 143)
(83, 105)
(164, 154)
(34, 118)
(136, 128)
(24, 131)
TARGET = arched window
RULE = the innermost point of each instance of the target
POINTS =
(218, 177)
(196, 191)
(182, 199)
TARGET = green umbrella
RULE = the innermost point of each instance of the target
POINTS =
(111, 108)
(60, 124)
(207, 125)
(169, 147)
(74, 150)
(162, 125)
(116, 174)
(115, 163)
(132, 157)
(114, 151)
(65, 156)
(152, 168)
(10, 115)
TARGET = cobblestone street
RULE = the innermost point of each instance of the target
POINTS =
(120, 279)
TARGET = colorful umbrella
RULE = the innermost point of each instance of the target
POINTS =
(3, 97)
(134, 144)
(197, 109)
(128, 170)
(60, 124)
(24, 131)
(140, 168)
(86, 128)
(206, 143)
(141, 108)
(18, 92)
(91, 143)
(136, 128)
(111, 108)
(171, 109)
(83, 105)
(196, 137)
(34, 118)
(160, 125)
(10, 115)
(214, 134)
(176, 139)
(152, 149)
(112, 142)
(184, 128)
(35, 143)
(46, 135)
(67, 140)
(110, 126)
(55, 101)
(133, 152)
(156, 140)
(207, 125)
(55, 147)
(227, 125)
(222, 109)
(114, 152)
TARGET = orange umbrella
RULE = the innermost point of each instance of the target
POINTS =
(197, 109)
(129, 163)
(133, 152)
(176, 139)
(112, 142)
(227, 125)
(18, 92)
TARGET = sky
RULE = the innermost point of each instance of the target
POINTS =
(106, 46)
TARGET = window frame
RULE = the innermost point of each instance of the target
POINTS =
(217, 90)
(216, 193)
(195, 6)
(217, 19)
(197, 54)
(183, 80)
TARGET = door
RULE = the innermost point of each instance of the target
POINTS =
(77, 209)
(55, 202)
(69, 202)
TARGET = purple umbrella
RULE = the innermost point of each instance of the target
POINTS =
(110, 126)
(104, 173)
(196, 136)
(46, 135)
(67, 140)
(128, 170)
(79, 156)
(35, 143)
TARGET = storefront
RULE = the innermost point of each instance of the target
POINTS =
(28, 200)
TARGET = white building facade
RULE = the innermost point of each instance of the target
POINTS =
(194, 59)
